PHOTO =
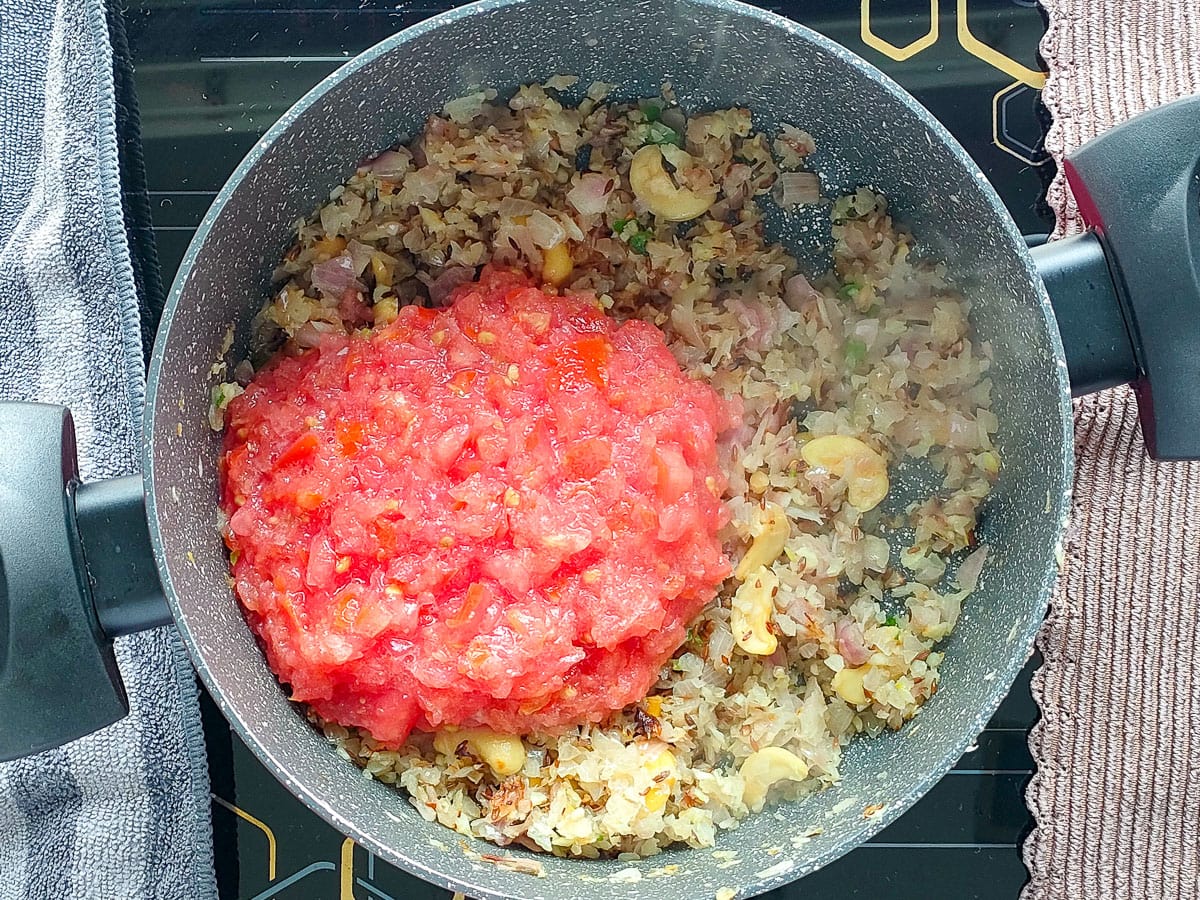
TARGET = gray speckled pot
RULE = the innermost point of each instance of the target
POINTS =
(716, 53)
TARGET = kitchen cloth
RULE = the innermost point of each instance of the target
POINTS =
(123, 813)
(1116, 796)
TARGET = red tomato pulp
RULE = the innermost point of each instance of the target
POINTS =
(503, 513)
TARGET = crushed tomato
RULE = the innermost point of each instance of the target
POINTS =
(503, 513)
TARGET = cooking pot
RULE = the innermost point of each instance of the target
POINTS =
(82, 564)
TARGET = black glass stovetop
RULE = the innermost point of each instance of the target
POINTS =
(212, 75)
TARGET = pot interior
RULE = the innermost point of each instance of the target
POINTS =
(715, 54)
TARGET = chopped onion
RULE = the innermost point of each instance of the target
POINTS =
(720, 646)
(778, 658)
(536, 757)
(797, 292)
(963, 434)
(867, 331)
(421, 186)
(544, 231)
(463, 109)
(850, 642)
(570, 228)
(538, 147)
(307, 336)
(389, 163)
(335, 219)
(591, 195)
(683, 318)
(737, 179)
(512, 207)
(970, 568)
(420, 159)
(450, 278)
(360, 256)
(856, 236)
(332, 277)
(767, 276)
(561, 82)
(523, 241)
(796, 188)
(758, 325)
(876, 553)
(925, 568)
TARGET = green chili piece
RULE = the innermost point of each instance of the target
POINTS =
(849, 290)
(855, 352)
(659, 133)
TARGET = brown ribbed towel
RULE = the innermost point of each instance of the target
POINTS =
(1117, 794)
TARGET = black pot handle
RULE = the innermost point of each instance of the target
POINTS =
(76, 571)
(1127, 292)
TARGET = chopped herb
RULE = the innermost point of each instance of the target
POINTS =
(222, 395)
(652, 112)
(849, 290)
(633, 233)
(855, 352)
(659, 133)
(891, 621)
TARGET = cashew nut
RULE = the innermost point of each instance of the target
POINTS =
(848, 684)
(382, 269)
(504, 753)
(766, 767)
(663, 773)
(654, 186)
(773, 533)
(989, 461)
(557, 263)
(386, 310)
(750, 614)
(864, 469)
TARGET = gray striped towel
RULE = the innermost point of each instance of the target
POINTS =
(123, 813)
